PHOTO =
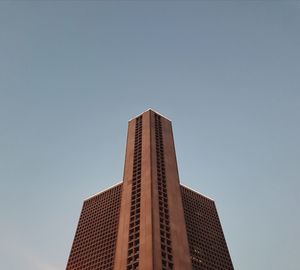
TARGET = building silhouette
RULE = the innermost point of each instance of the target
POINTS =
(149, 221)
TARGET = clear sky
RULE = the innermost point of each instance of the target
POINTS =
(73, 73)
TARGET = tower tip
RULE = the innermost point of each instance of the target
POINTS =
(151, 110)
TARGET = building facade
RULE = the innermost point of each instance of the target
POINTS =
(149, 221)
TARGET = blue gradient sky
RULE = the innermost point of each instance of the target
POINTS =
(72, 73)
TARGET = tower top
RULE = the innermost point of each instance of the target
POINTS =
(150, 109)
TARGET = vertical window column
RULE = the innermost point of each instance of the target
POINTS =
(134, 223)
(165, 234)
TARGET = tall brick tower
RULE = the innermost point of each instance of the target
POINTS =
(149, 221)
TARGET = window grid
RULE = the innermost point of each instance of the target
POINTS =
(96, 234)
(165, 234)
(207, 243)
(135, 207)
